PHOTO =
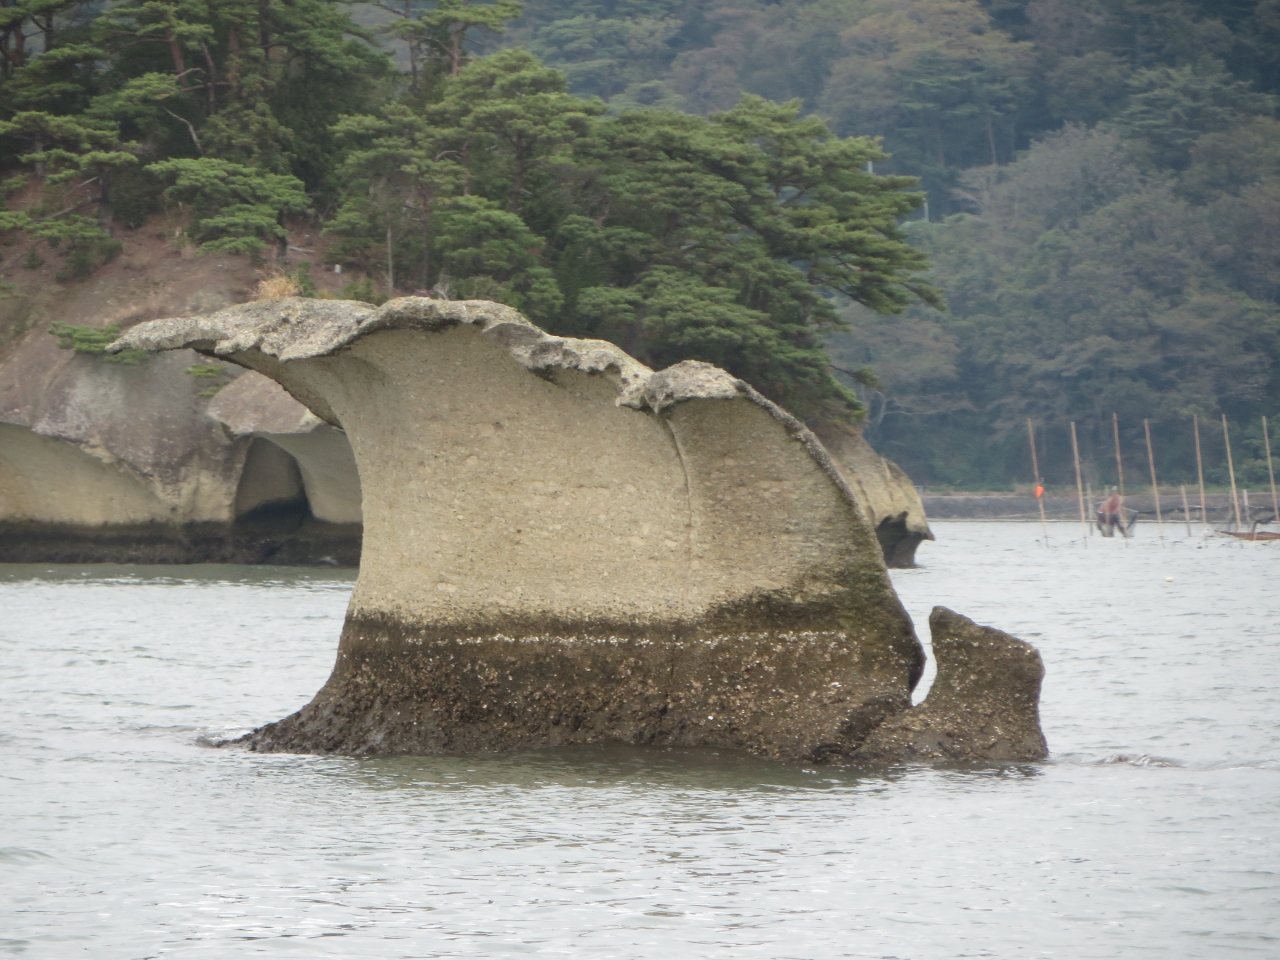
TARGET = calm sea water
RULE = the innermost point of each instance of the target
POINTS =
(1153, 832)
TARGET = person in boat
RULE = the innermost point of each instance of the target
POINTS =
(1110, 515)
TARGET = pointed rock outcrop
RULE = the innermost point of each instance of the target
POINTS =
(984, 703)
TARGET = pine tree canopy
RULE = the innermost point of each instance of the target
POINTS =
(732, 238)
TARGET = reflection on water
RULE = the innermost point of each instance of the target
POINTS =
(628, 768)
(1150, 833)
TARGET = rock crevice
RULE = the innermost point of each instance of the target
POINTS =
(984, 703)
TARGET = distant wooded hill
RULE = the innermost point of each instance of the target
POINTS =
(1103, 180)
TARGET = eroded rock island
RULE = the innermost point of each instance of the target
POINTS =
(562, 545)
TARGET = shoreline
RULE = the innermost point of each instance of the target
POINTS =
(1009, 506)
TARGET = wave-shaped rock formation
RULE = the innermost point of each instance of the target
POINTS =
(564, 546)
(257, 406)
(103, 462)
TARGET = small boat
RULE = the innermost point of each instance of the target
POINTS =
(1253, 535)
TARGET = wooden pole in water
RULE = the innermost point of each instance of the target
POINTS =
(1088, 495)
(1075, 455)
(1151, 462)
(1231, 470)
(1186, 510)
(1115, 429)
(1035, 468)
(1204, 511)
(1124, 515)
(1271, 473)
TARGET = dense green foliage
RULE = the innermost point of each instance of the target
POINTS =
(1082, 288)
(1102, 177)
(1108, 177)
(95, 340)
(948, 84)
(733, 238)
(723, 239)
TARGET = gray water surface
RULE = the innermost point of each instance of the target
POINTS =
(1151, 833)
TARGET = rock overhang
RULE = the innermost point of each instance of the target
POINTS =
(296, 328)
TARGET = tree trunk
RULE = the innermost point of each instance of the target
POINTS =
(179, 62)
(391, 269)
(413, 50)
(517, 185)
(104, 203)
(212, 83)
(282, 242)
(233, 61)
(426, 243)
(264, 38)
(455, 48)
(991, 141)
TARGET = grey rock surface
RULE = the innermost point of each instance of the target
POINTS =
(984, 703)
(109, 462)
(85, 441)
(562, 546)
(886, 494)
(90, 444)
(256, 406)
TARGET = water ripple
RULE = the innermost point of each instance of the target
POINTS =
(1151, 832)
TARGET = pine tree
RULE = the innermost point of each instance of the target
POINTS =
(726, 240)
(444, 33)
(237, 208)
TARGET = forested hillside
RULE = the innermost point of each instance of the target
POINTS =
(1103, 179)
(1098, 194)
(733, 239)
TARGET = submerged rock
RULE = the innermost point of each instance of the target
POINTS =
(563, 546)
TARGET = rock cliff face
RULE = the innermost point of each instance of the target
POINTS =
(86, 454)
(108, 462)
(886, 494)
(258, 407)
(563, 546)
(131, 440)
